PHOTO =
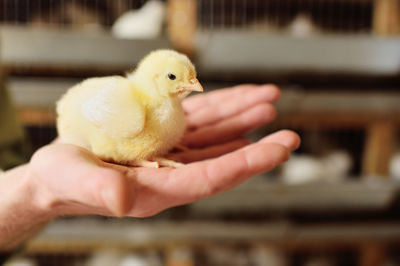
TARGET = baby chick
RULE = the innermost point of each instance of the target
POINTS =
(131, 120)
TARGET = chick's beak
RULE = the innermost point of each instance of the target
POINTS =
(193, 85)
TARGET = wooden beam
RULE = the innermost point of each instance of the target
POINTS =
(378, 148)
(182, 24)
(386, 17)
(372, 254)
(37, 116)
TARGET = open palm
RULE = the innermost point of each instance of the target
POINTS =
(72, 181)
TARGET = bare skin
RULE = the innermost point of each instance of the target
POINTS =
(64, 179)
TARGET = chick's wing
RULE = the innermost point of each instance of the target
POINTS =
(114, 108)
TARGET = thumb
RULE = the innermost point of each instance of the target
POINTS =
(77, 182)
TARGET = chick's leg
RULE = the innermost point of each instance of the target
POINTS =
(168, 163)
(144, 163)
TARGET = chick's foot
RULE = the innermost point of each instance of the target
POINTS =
(167, 162)
(144, 163)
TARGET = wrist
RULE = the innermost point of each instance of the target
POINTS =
(42, 201)
(22, 212)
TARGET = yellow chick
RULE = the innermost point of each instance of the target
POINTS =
(131, 120)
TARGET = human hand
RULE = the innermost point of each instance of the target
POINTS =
(68, 180)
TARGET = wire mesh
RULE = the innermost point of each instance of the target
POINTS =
(325, 16)
(66, 13)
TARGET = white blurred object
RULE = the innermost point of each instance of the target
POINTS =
(148, 259)
(302, 26)
(337, 165)
(145, 23)
(134, 260)
(105, 257)
(332, 167)
(394, 167)
(21, 262)
(261, 256)
(302, 169)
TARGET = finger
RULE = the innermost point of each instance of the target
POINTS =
(209, 152)
(226, 108)
(194, 103)
(231, 128)
(287, 138)
(199, 101)
(203, 179)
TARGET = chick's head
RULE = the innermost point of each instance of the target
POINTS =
(167, 73)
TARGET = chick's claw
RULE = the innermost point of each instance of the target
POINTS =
(144, 163)
(156, 163)
(167, 162)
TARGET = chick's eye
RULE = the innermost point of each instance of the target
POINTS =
(171, 76)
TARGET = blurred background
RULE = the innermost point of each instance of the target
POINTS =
(335, 202)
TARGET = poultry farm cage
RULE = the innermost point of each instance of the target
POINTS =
(336, 62)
